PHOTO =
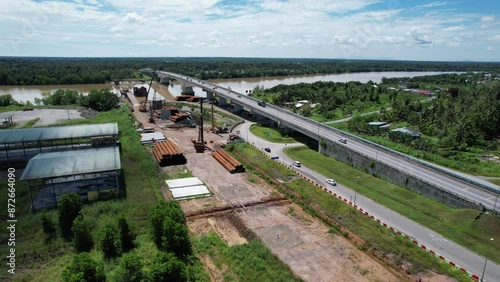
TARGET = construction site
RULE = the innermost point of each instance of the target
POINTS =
(234, 202)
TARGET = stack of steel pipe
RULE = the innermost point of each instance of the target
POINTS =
(167, 152)
(228, 162)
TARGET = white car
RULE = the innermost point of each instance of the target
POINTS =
(296, 163)
(343, 140)
(331, 182)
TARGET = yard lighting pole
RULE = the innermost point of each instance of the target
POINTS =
(495, 205)
(486, 260)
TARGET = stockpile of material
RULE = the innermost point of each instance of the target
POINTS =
(148, 138)
(178, 117)
(167, 153)
(228, 162)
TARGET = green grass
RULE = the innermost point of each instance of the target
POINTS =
(247, 262)
(276, 135)
(495, 181)
(40, 260)
(30, 123)
(462, 161)
(378, 238)
(456, 224)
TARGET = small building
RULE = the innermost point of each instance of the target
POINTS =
(405, 130)
(405, 84)
(379, 124)
(91, 173)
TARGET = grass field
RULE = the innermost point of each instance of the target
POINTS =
(248, 262)
(378, 238)
(458, 225)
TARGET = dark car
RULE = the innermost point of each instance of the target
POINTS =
(267, 150)
(261, 103)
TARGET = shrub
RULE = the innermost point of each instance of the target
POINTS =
(69, 207)
(82, 239)
(126, 236)
(131, 268)
(83, 269)
(109, 241)
(49, 227)
(166, 267)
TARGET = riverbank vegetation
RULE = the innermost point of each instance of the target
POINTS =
(52, 71)
(453, 119)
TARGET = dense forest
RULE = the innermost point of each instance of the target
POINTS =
(50, 71)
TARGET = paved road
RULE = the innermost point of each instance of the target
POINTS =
(450, 250)
(317, 130)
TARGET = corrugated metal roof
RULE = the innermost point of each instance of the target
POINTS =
(60, 132)
(57, 164)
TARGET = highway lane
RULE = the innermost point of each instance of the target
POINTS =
(433, 241)
(318, 130)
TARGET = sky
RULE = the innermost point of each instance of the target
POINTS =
(460, 30)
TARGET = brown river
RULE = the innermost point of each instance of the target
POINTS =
(29, 93)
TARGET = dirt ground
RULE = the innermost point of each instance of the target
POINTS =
(299, 240)
(47, 116)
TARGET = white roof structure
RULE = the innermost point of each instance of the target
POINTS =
(183, 193)
(147, 138)
(66, 163)
(183, 182)
(187, 188)
(59, 132)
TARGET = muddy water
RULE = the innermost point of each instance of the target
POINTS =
(242, 85)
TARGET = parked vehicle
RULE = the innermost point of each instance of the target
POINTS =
(343, 140)
(267, 150)
(331, 182)
(296, 163)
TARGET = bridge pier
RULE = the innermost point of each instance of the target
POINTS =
(210, 95)
(165, 80)
(238, 108)
(222, 101)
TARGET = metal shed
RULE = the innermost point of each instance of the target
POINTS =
(92, 173)
(20, 145)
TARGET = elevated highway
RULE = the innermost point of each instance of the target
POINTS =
(465, 186)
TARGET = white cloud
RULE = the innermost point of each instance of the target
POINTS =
(490, 48)
(116, 29)
(134, 18)
(66, 38)
(292, 28)
(488, 18)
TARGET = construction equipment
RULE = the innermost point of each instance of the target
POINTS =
(143, 107)
(199, 145)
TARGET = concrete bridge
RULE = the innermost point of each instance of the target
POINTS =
(454, 188)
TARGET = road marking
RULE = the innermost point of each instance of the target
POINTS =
(466, 188)
(490, 198)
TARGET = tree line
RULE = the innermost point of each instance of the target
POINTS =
(51, 71)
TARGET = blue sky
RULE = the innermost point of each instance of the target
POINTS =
(345, 29)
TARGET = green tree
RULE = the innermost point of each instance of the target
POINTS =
(166, 267)
(82, 238)
(49, 227)
(175, 238)
(69, 207)
(131, 268)
(100, 100)
(109, 241)
(157, 215)
(7, 100)
(83, 269)
(126, 236)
